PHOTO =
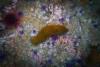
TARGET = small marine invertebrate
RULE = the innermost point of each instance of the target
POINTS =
(47, 32)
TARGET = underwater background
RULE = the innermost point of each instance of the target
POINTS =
(49, 33)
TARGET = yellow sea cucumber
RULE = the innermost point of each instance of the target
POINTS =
(48, 31)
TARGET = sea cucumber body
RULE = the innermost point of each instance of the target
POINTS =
(47, 32)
